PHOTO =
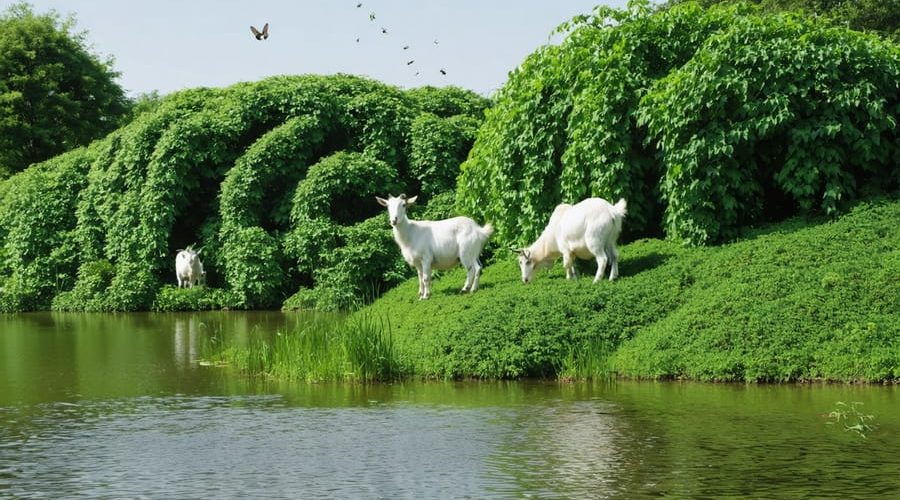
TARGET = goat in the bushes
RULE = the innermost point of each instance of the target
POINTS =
(188, 268)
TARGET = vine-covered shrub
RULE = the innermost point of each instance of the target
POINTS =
(637, 103)
(439, 145)
(272, 179)
(774, 110)
(40, 255)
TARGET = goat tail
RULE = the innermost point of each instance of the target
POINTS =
(620, 208)
(486, 231)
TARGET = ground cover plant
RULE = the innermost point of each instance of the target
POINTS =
(799, 300)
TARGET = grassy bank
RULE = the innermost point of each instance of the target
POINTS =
(800, 300)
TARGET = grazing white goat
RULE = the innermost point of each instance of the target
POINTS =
(587, 229)
(188, 268)
(437, 244)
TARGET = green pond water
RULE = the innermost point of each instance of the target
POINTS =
(117, 406)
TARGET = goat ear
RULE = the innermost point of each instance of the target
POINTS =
(412, 200)
(198, 251)
(381, 201)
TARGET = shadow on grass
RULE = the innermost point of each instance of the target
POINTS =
(631, 267)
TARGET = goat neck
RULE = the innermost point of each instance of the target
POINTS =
(544, 250)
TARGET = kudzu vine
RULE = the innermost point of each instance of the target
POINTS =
(705, 120)
(271, 178)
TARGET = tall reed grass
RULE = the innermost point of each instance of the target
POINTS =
(358, 349)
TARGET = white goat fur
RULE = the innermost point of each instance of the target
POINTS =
(441, 244)
(188, 268)
(587, 229)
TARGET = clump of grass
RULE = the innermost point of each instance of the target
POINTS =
(357, 349)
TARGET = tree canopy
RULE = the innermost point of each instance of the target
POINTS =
(55, 94)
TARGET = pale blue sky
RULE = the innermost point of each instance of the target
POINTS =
(168, 45)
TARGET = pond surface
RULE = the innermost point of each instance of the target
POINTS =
(117, 406)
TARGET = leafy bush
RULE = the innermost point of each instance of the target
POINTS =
(342, 187)
(36, 224)
(774, 110)
(756, 117)
(220, 169)
(199, 298)
(364, 262)
(439, 146)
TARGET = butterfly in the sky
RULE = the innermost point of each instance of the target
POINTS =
(261, 35)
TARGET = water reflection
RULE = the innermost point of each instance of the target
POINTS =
(116, 406)
(186, 340)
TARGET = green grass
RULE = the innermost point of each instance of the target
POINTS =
(358, 349)
(796, 301)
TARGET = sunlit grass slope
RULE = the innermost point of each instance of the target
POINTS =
(800, 300)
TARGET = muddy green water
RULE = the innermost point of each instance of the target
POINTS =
(116, 406)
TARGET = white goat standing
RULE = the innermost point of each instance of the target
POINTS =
(588, 229)
(437, 244)
(188, 268)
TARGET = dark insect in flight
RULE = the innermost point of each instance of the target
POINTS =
(405, 47)
(435, 42)
(261, 35)
(357, 39)
(410, 62)
(372, 16)
(359, 5)
(443, 72)
(383, 30)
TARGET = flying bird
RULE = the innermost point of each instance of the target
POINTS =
(261, 35)
(357, 39)
(443, 72)
(435, 41)
(359, 5)
(405, 47)
(371, 16)
(410, 62)
(383, 30)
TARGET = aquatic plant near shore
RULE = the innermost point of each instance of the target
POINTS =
(329, 347)
(851, 418)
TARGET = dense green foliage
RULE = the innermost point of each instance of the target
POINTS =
(800, 300)
(705, 120)
(54, 94)
(275, 180)
(882, 16)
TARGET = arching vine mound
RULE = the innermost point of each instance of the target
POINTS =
(274, 180)
(705, 120)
